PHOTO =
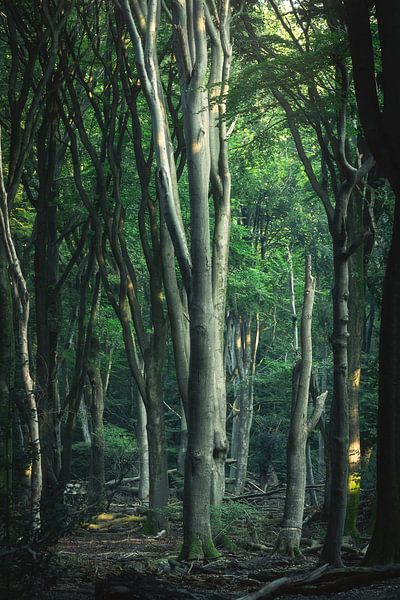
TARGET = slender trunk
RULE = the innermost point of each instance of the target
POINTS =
(141, 435)
(197, 540)
(369, 327)
(84, 419)
(356, 326)
(245, 353)
(141, 441)
(97, 477)
(7, 367)
(46, 301)
(235, 431)
(182, 442)
(242, 436)
(80, 368)
(321, 431)
(21, 303)
(310, 476)
(220, 447)
(158, 468)
(107, 375)
(289, 537)
(321, 452)
(324, 463)
(295, 329)
(339, 423)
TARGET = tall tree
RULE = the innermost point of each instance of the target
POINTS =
(334, 185)
(204, 268)
(381, 125)
(241, 349)
(143, 349)
(288, 541)
(33, 46)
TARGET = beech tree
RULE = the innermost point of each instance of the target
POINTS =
(288, 541)
(242, 340)
(381, 125)
(145, 352)
(204, 268)
(33, 56)
(335, 185)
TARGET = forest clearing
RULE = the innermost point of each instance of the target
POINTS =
(199, 299)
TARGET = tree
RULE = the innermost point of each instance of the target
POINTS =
(142, 349)
(288, 541)
(378, 111)
(334, 186)
(241, 349)
(204, 268)
(33, 56)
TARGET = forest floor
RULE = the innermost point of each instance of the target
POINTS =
(113, 559)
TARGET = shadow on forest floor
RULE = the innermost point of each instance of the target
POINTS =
(118, 562)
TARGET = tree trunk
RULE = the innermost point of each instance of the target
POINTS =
(82, 348)
(141, 440)
(339, 423)
(84, 419)
(197, 541)
(356, 325)
(182, 442)
(97, 494)
(196, 267)
(46, 305)
(310, 476)
(21, 303)
(295, 328)
(243, 369)
(288, 541)
(369, 326)
(158, 468)
(7, 368)
(385, 543)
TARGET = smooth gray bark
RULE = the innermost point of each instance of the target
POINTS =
(289, 537)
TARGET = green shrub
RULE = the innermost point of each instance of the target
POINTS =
(237, 521)
(120, 454)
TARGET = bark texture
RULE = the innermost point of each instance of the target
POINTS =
(357, 266)
(384, 547)
(203, 269)
(97, 494)
(7, 366)
(242, 368)
(289, 537)
(381, 125)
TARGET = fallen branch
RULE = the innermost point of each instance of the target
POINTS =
(314, 549)
(105, 521)
(255, 546)
(323, 581)
(279, 489)
(276, 490)
(118, 482)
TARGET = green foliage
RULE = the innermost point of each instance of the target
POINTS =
(120, 454)
(237, 521)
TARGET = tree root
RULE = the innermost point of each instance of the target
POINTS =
(324, 580)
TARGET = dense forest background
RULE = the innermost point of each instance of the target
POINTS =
(199, 303)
